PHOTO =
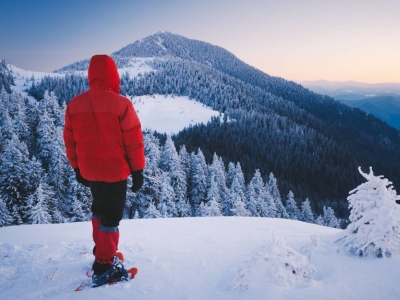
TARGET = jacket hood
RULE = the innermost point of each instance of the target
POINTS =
(103, 73)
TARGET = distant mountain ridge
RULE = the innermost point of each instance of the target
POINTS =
(380, 99)
(334, 88)
(384, 106)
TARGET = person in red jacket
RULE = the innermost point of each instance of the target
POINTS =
(104, 145)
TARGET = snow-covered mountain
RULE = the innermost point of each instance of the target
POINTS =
(195, 258)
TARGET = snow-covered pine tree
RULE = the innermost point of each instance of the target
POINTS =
(212, 208)
(7, 128)
(218, 171)
(79, 200)
(251, 200)
(240, 176)
(291, 207)
(265, 203)
(59, 171)
(185, 159)
(14, 178)
(319, 220)
(166, 205)
(374, 217)
(38, 203)
(230, 174)
(171, 164)
(16, 216)
(5, 216)
(53, 109)
(46, 133)
(236, 200)
(151, 189)
(18, 115)
(198, 180)
(272, 189)
(152, 212)
(330, 219)
(306, 212)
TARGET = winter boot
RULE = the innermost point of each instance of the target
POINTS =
(108, 273)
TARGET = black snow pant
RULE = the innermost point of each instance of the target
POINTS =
(108, 201)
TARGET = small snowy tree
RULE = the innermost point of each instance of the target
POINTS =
(291, 207)
(212, 208)
(374, 217)
(319, 220)
(198, 191)
(272, 189)
(5, 217)
(39, 203)
(329, 217)
(306, 212)
(152, 212)
(166, 205)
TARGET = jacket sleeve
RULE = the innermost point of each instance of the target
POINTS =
(132, 137)
(70, 144)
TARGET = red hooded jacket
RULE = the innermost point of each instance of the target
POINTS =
(102, 133)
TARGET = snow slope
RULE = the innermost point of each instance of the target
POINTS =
(170, 114)
(195, 258)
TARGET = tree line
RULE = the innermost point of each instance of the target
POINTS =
(37, 185)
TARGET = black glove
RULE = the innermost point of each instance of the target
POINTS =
(79, 177)
(137, 180)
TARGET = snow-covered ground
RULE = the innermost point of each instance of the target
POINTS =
(195, 258)
(170, 114)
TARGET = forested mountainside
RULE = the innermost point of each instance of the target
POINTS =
(6, 79)
(312, 143)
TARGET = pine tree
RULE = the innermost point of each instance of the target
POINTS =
(217, 170)
(212, 208)
(166, 205)
(151, 189)
(185, 159)
(152, 212)
(50, 104)
(236, 200)
(329, 218)
(7, 128)
(46, 132)
(59, 170)
(14, 177)
(306, 212)
(198, 180)
(291, 207)
(251, 201)
(38, 203)
(17, 113)
(16, 215)
(79, 199)
(240, 176)
(272, 189)
(230, 174)
(5, 216)
(320, 221)
(374, 217)
(171, 163)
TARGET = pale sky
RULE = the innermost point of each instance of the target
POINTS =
(294, 39)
